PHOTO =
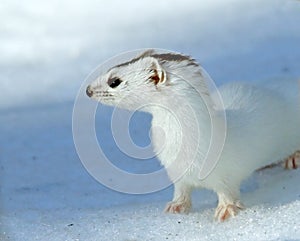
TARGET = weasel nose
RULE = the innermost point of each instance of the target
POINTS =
(88, 91)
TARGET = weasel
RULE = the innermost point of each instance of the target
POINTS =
(262, 126)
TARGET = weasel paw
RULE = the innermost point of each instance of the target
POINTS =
(224, 211)
(293, 161)
(178, 207)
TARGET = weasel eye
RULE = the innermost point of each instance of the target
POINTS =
(114, 82)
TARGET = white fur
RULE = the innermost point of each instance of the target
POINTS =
(262, 126)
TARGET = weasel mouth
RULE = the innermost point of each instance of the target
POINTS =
(89, 91)
(100, 96)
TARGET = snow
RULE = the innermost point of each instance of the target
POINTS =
(47, 50)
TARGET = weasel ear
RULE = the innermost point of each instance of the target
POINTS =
(158, 74)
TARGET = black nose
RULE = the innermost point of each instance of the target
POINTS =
(88, 91)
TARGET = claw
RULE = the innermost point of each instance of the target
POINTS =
(178, 207)
(225, 211)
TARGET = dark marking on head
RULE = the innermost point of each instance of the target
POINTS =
(162, 57)
(175, 58)
(143, 55)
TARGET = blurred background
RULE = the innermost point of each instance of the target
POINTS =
(47, 49)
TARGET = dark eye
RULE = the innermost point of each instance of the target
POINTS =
(114, 82)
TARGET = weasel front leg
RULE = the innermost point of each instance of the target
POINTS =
(293, 161)
(181, 202)
(229, 205)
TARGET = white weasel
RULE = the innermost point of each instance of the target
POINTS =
(262, 126)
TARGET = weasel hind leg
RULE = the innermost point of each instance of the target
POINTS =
(293, 161)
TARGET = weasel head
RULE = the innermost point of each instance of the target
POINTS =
(142, 80)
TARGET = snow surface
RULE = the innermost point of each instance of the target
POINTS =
(48, 48)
